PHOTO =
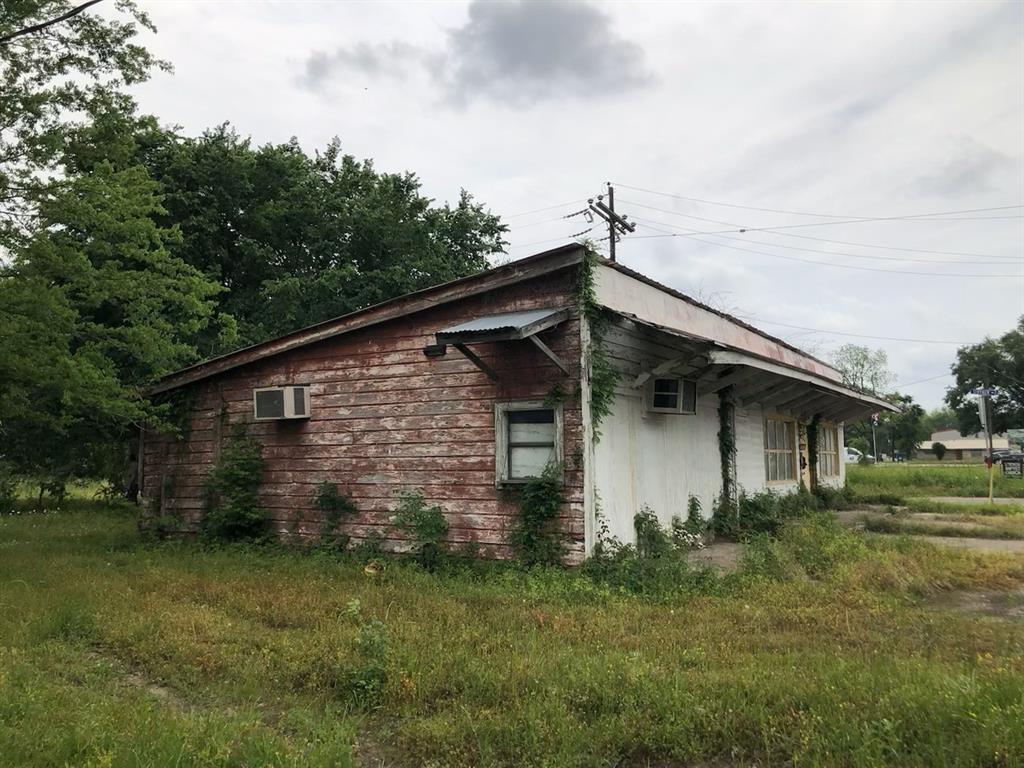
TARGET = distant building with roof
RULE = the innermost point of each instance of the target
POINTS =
(961, 447)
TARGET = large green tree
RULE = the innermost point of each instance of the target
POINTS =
(295, 238)
(98, 309)
(94, 305)
(51, 81)
(995, 363)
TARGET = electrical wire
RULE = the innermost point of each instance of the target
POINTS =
(829, 253)
(546, 208)
(863, 335)
(742, 229)
(819, 215)
(849, 266)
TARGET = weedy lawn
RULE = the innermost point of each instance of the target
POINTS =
(907, 480)
(827, 648)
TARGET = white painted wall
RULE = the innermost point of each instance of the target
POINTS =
(658, 460)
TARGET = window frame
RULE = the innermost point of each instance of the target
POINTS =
(679, 408)
(823, 452)
(502, 453)
(793, 450)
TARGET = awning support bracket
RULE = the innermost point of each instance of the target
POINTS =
(475, 360)
(549, 354)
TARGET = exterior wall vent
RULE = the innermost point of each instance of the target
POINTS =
(277, 403)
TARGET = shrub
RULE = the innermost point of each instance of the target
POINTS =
(651, 539)
(335, 506)
(939, 450)
(762, 512)
(814, 547)
(8, 489)
(540, 500)
(365, 684)
(834, 498)
(232, 491)
(426, 525)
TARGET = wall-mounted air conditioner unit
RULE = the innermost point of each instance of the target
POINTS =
(275, 403)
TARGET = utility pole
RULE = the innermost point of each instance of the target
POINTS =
(617, 225)
(985, 412)
(611, 226)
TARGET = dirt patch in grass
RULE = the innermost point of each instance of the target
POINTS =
(986, 602)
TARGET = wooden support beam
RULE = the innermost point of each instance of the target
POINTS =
(472, 357)
(765, 389)
(667, 366)
(735, 376)
(783, 394)
(814, 404)
(549, 354)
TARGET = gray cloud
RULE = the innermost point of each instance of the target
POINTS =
(515, 53)
(524, 51)
(362, 60)
(970, 168)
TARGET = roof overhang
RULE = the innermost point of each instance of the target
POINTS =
(490, 280)
(756, 380)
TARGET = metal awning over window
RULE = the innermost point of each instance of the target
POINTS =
(508, 326)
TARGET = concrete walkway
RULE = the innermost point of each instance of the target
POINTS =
(969, 500)
(854, 518)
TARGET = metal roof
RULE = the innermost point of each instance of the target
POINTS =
(507, 321)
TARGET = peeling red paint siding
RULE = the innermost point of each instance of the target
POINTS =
(386, 418)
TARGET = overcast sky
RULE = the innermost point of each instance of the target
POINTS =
(851, 110)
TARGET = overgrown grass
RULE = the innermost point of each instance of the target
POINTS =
(819, 651)
(932, 528)
(953, 508)
(929, 480)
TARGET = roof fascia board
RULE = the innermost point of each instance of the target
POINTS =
(635, 295)
(723, 357)
(493, 279)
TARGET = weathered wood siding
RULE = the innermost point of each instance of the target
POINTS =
(385, 418)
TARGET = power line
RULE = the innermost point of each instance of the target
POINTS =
(847, 266)
(831, 253)
(546, 208)
(864, 335)
(820, 215)
(922, 381)
(741, 229)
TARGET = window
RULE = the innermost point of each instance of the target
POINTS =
(672, 395)
(779, 450)
(529, 438)
(828, 451)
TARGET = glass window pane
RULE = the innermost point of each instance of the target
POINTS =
(690, 396)
(531, 433)
(666, 385)
(537, 416)
(529, 462)
(773, 466)
(666, 400)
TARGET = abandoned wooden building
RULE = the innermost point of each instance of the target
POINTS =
(640, 395)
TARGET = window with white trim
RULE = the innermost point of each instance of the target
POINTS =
(672, 394)
(828, 451)
(528, 438)
(779, 450)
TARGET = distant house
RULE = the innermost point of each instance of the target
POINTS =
(961, 448)
(467, 389)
